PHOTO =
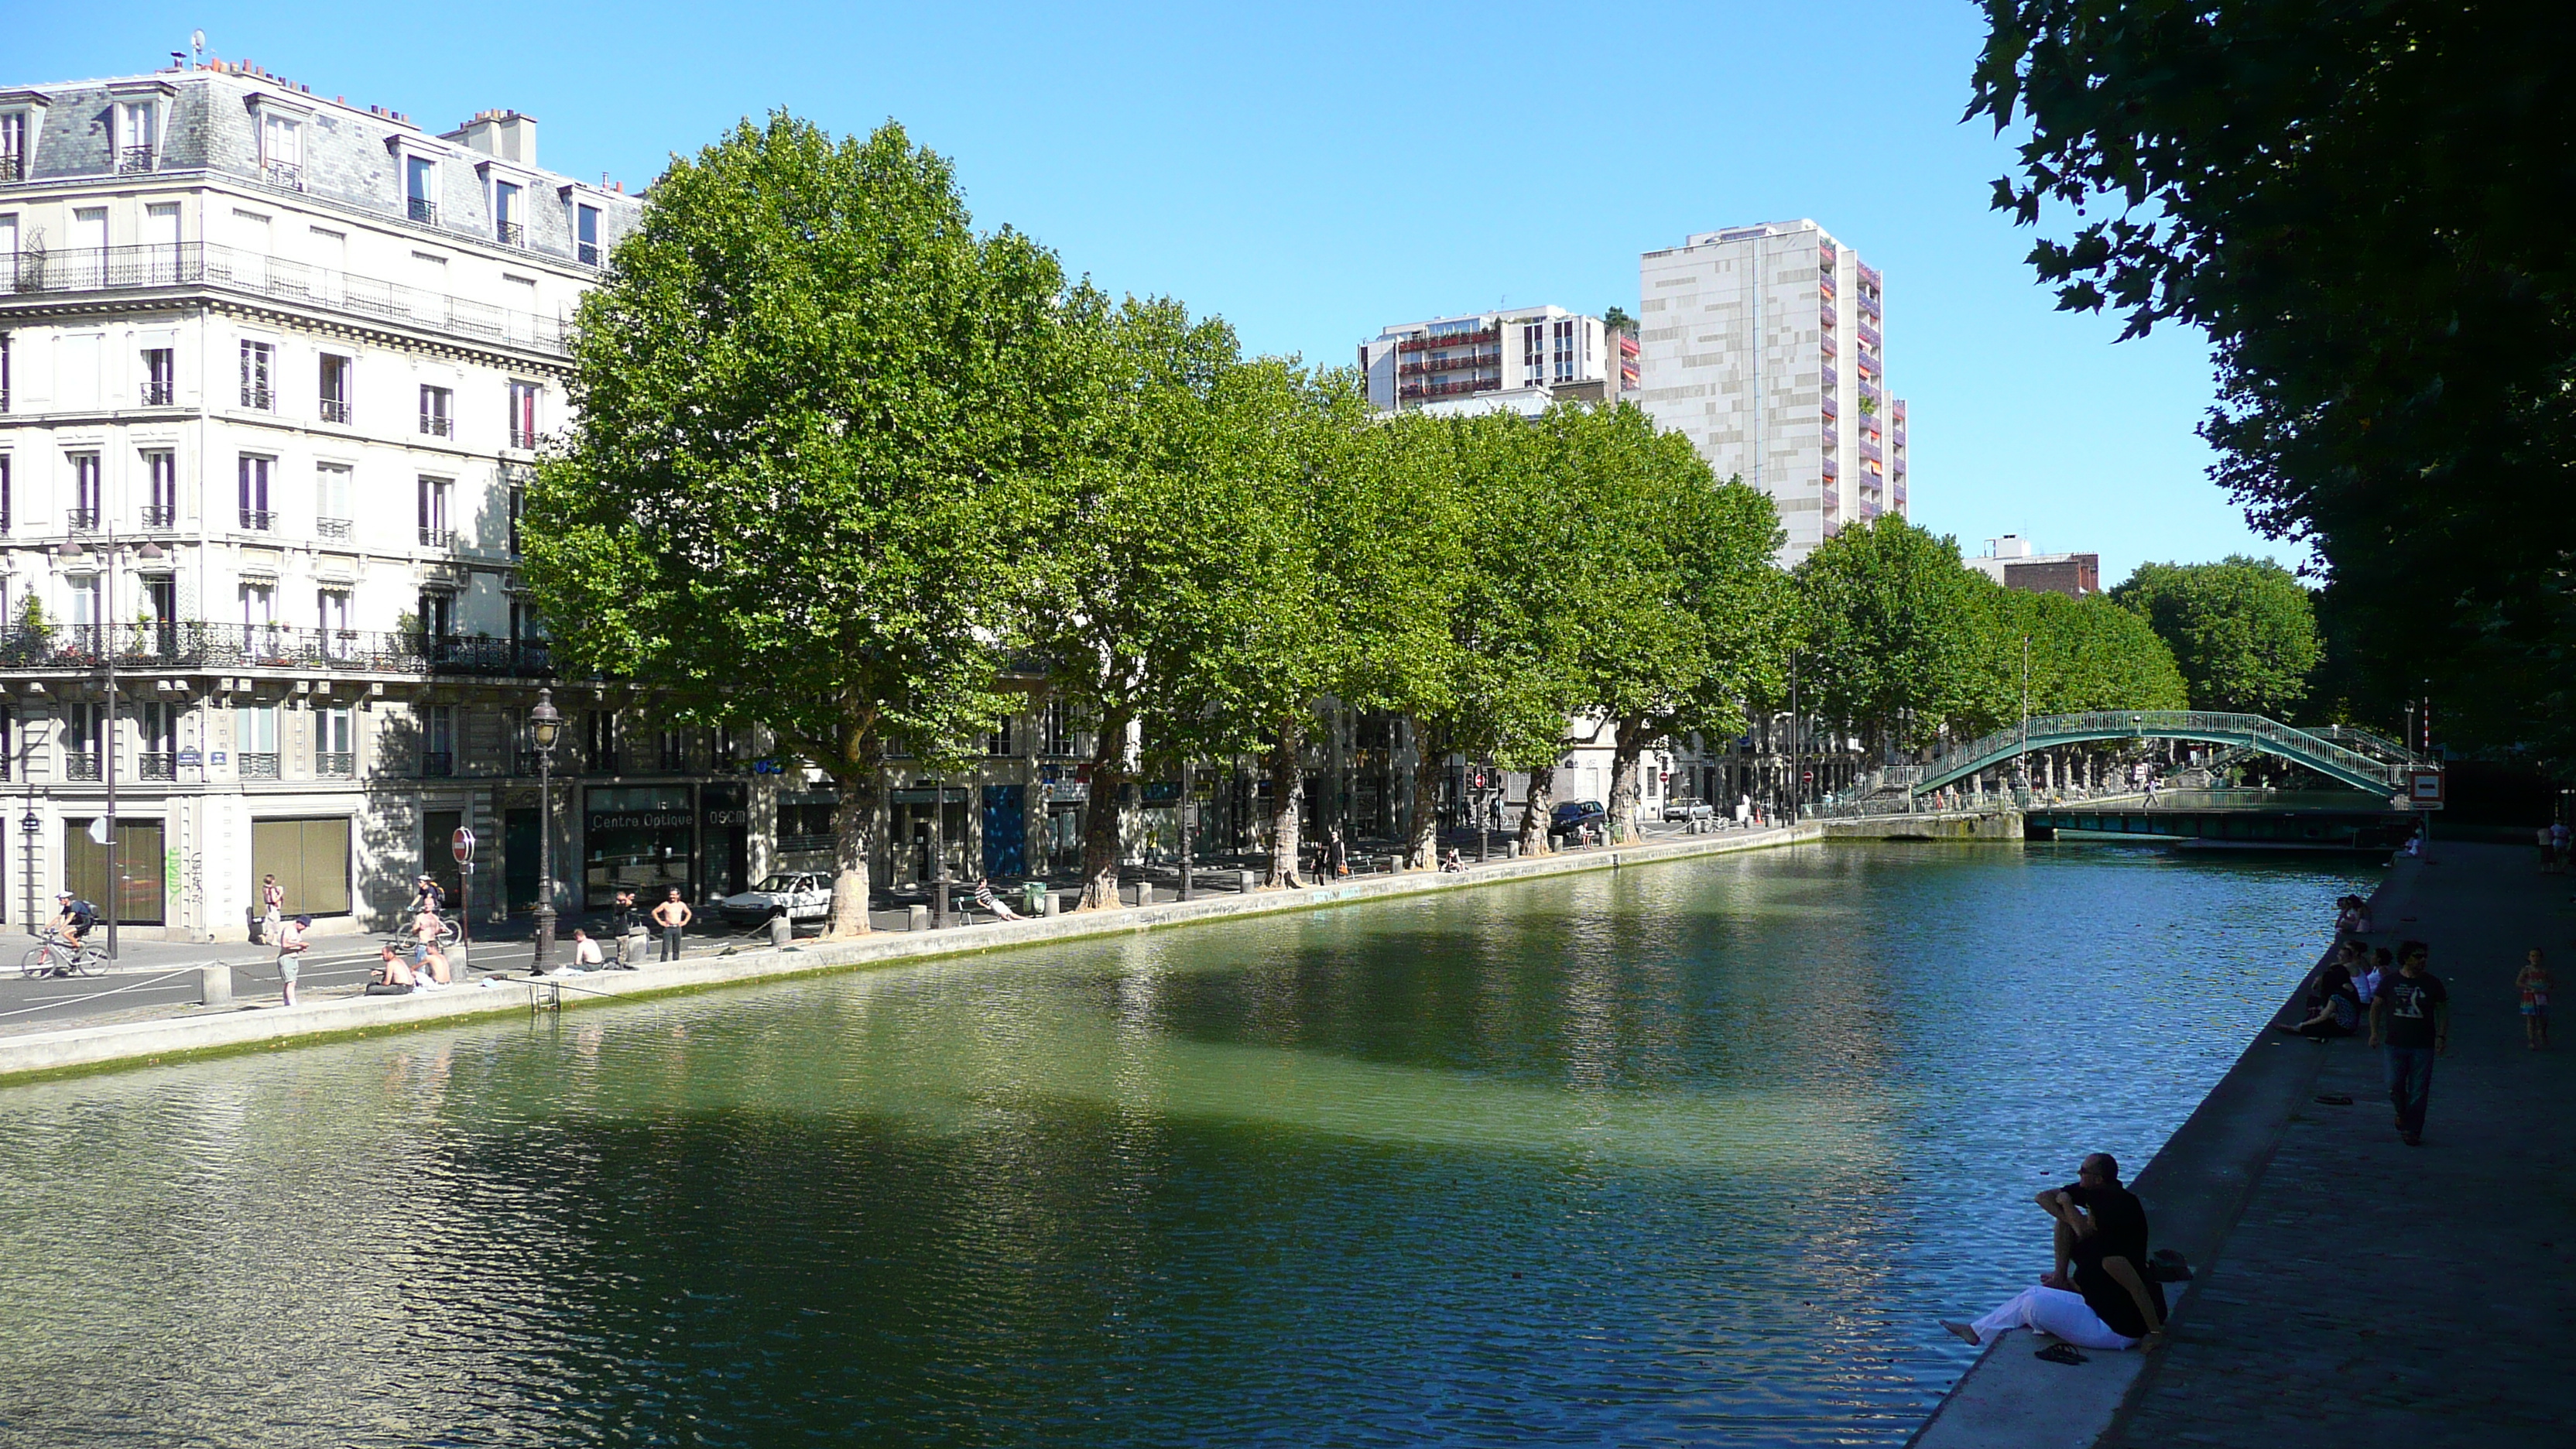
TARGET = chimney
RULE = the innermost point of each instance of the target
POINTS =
(505, 134)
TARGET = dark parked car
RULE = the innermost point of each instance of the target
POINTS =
(1574, 815)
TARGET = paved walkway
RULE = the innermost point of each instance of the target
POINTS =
(2376, 1294)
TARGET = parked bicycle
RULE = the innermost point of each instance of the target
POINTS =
(55, 955)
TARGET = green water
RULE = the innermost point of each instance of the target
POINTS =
(1695, 1151)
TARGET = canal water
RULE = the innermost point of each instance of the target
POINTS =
(1695, 1151)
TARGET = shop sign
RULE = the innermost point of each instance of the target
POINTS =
(1162, 792)
(728, 817)
(641, 820)
(192, 760)
(1069, 791)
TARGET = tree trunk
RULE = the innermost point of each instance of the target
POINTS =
(1542, 804)
(1628, 746)
(856, 827)
(1428, 757)
(1103, 832)
(1285, 761)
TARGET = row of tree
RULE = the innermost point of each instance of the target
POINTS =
(846, 468)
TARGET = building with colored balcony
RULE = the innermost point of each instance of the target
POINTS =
(1519, 359)
(1765, 345)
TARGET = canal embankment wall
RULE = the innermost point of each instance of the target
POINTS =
(250, 1028)
(2195, 1189)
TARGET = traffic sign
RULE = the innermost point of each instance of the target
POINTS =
(463, 846)
(2425, 789)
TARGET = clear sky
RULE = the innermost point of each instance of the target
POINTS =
(1313, 172)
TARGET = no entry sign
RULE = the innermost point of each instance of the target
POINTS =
(463, 846)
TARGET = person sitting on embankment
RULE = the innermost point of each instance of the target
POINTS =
(2101, 1295)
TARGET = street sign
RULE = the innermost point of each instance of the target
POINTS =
(463, 846)
(2425, 790)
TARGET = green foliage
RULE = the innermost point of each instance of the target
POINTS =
(1893, 632)
(2244, 631)
(2361, 202)
(2082, 654)
(1617, 319)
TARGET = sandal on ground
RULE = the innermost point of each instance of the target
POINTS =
(2061, 1353)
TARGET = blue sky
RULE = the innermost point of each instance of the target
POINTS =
(1314, 172)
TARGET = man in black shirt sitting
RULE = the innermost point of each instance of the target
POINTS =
(2100, 1296)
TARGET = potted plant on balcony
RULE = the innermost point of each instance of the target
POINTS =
(33, 639)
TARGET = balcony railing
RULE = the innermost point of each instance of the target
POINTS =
(259, 520)
(209, 264)
(335, 765)
(522, 437)
(335, 410)
(423, 210)
(512, 234)
(80, 765)
(331, 527)
(133, 159)
(1826, 316)
(157, 765)
(437, 425)
(80, 520)
(271, 646)
(439, 538)
(159, 392)
(13, 168)
(161, 515)
(437, 764)
(258, 764)
(587, 253)
(284, 175)
(260, 399)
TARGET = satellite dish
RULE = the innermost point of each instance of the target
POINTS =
(197, 41)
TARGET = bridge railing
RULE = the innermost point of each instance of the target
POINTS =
(2279, 739)
(2378, 746)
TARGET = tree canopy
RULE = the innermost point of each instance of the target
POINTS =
(2243, 631)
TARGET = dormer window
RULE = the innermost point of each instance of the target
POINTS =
(420, 189)
(585, 233)
(138, 135)
(15, 136)
(509, 213)
(281, 150)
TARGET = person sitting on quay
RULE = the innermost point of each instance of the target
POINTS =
(2100, 1295)
(2352, 916)
(1451, 864)
(986, 901)
(2334, 1005)
(431, 973)
(392, 971)
(2532, 982)
(585, 951)
(2368, 973)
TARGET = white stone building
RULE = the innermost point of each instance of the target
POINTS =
(1765, 344)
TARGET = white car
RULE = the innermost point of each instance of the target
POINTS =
(1688, 810)
(802, 895)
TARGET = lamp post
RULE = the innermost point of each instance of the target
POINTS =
(1189, 808)
(938, 854)
(72, 550)
(545, 722)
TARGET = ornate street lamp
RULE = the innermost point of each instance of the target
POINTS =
(71, 550)
(546, 723)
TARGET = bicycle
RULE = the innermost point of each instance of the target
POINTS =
(55, 954)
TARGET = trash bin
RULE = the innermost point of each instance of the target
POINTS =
(1033, 898)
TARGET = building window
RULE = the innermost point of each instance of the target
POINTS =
(336, 386)
(8, 249)
(599, 742)
(997, 744)
(255, 740)
(436, 419)
(281, 151)
(331, 500)
(507, 215)
(518, 501)
(6, 492)
(585, 231)
(420, 189)
(13, 148)
(335, 742)
(523, 414)
(438, 740)
(84, 490)
(258, 372)
(254, 472)
(675, 751)
(434, 494)
(81, 730)
(1534, 352)
(159, 725)
(161, 466)
(331, 616)
(160, 377)
(137, 133)
(1056, 729)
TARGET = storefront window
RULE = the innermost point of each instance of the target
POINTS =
(637, 837)
(138, 862)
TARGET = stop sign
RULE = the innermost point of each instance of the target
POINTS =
(463, 846)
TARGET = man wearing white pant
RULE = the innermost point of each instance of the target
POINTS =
(2107, 1301)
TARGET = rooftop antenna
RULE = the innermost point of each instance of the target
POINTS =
(197, 43)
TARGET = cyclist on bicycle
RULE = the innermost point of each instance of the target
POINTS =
(73, 917)
(426, 896)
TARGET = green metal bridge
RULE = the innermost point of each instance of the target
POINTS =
(2353, 757)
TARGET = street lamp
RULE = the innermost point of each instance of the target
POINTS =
(71, 551)
(546, 723)
(938, 854)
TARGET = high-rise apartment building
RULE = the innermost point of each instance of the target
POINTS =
(1520, 359)
(1765, 345)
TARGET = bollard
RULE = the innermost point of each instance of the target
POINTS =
(639, 949)
(781, 931)
(1051, 905)
(916, 918)
(457, 969)
(1246, 880)
(1511, 850)
(215, 983)
(1144, 893)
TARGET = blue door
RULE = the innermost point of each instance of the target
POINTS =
(1006, 831)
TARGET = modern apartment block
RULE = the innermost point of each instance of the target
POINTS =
(1518, 359)
(1765, 344)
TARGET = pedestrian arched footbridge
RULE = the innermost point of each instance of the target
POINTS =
(2354, 757)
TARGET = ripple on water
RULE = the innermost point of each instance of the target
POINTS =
(1688, 1151)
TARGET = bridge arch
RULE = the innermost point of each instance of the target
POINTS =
(2353, 757)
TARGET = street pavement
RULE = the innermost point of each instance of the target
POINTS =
(2377, 1294)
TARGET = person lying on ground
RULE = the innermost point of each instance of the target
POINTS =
(986, 900)
(2101, 1296)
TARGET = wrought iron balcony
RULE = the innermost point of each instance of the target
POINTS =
(258, 764)
(522, 437)
(284, 175)
(80, 520)
(161, 515)
(259, 520)
(157, 765)
(587, 253)
(13, 168)
(437, 425)
(82, 647)
(335, 765)
(159, 392)
(131, 160)
(423, 210)
(230, 269)
(512, 234)
(258, 398)
(331, 527)
(335, 410)
(437, 764)
(80, 765)
(438, 538)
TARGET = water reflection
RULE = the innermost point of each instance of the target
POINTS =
(1693, 1150)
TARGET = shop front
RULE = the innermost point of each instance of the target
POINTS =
(639, 838)
(724, 835)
